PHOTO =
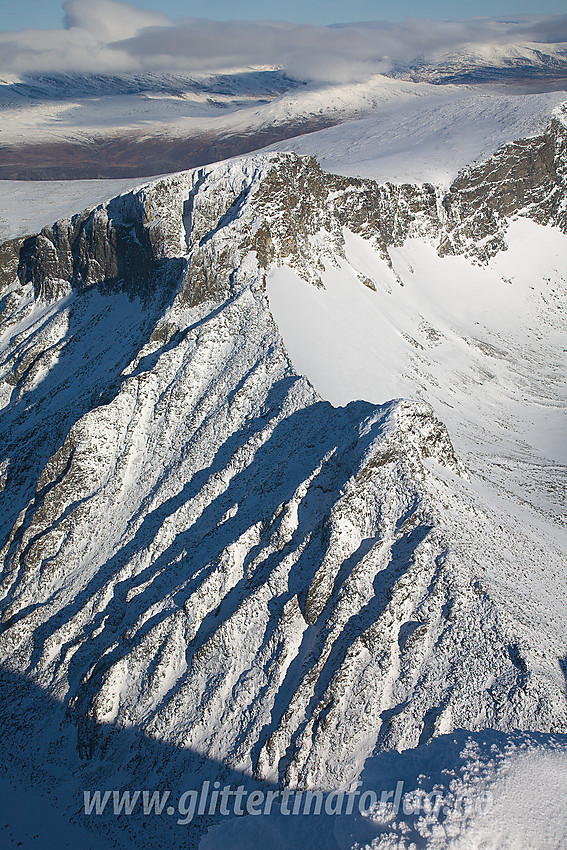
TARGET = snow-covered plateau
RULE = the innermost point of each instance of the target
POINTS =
(240, 543)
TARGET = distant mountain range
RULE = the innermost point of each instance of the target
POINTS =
(81, 125)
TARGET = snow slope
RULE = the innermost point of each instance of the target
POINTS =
(430, 139)
(103, 124)
(472, 791)
(484, 344)
(54, 106)
(164, 114)
(490, 60)
(410, 139)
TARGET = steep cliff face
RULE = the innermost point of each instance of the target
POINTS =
(196, 545)
(119, 243)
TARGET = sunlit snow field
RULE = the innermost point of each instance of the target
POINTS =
(483, 344)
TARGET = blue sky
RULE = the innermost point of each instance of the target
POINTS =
(48, 14)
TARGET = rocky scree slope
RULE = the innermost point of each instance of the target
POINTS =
(197, 546)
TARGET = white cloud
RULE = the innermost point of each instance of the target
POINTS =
(109, 20)
(108, 36)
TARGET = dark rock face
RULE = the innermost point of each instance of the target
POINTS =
(297, 199)
(306, 199)
(9, 262)
(113, 246)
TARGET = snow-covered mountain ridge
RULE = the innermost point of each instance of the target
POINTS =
(196, 545)
(256, 84)
(482, 63)
(293, 200)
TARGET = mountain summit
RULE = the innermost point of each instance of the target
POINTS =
(201, 552)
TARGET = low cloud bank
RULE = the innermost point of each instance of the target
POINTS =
(106, 36)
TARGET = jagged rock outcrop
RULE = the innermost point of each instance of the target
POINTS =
(528, 177)
(193, 542)
(136, 241)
